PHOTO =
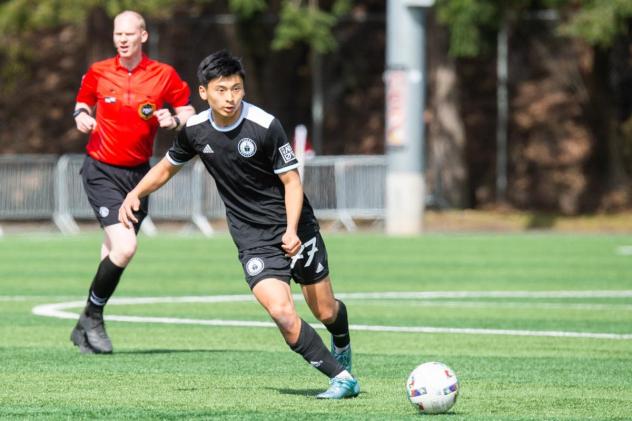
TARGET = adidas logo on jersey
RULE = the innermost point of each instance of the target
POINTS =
(207, 149)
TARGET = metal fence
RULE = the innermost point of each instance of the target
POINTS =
(39, 187)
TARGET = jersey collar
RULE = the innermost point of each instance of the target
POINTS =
(144, 62)
(244, 111)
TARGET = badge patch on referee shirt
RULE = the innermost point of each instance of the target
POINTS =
(287, 153)
(146, 110)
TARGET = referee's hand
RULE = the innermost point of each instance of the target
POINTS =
(130, 205)
(165, 119)
(85, 123)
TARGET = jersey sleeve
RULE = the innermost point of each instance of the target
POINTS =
(177, 92)
(88, 89)
(181, 151)
(279, 149)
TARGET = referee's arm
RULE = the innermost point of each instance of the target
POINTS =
(152, 181)
(83, 117)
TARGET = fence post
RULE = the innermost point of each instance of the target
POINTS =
(197, 194)
(340, 167)
(61, 216)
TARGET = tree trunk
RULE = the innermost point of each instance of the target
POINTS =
(606, 164)
(446, 166)
(99, 28)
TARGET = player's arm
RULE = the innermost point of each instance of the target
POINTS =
(174, 121)
(152, 181)
(293, 206)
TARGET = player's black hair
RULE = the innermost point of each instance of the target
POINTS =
(220, 63)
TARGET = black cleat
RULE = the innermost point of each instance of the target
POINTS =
(78, 338)
(90, 335)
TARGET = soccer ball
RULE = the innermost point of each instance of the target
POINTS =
(432, 388)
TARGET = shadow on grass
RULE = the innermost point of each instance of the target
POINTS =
(169, 351)
(302, 392)
(299, 392)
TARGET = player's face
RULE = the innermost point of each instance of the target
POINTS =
(128, 36)
(224, 95)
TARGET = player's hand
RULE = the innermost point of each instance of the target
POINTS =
(165, 119)
(130, 205)
(85, 123)
(291, 244)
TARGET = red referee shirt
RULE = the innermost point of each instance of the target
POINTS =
(125, 102)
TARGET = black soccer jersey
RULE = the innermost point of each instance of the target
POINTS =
(245, 159)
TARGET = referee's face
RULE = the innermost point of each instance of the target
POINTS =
(224, 95)
(129, 36)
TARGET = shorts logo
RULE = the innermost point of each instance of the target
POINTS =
(104, 212)
(110, 100)
(247, 147)
(320, 267)
(254, 266)
(287, 153)
(146, 110)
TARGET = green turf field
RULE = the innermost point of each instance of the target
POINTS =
(527, 285)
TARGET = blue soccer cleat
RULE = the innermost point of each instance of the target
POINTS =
(340, 389)
(344, 357)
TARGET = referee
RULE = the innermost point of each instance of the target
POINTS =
(121, 105)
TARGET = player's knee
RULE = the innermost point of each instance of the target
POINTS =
(326, 314)
(123, 253)
(284, 316)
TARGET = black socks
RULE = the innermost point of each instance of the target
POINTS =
(103, 285)
(340, 327)
(313, 350)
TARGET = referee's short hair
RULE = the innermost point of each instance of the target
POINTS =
(220, 63)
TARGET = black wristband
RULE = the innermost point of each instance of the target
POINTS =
(79, 111)
(177, 120)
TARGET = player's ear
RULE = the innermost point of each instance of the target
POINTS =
(202, 92)
(144, 36)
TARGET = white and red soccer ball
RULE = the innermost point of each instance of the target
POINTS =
(432, 387)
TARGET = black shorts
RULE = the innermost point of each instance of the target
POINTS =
(307, 267)
(106, 187)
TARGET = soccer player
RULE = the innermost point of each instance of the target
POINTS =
(271, 221)
(120, 103)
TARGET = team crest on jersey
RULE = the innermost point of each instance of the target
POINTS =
(247, 147)
(146, 110)
(287, 153)
(254, 266)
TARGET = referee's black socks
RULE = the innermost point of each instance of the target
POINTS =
(103, 285)
(339, 329)
(314, 351)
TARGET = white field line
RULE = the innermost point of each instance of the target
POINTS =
(513, 305)
(624, 250)
(58, 310)
(9, 298)
(492, 294)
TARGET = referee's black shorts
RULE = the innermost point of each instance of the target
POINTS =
(106, 187)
